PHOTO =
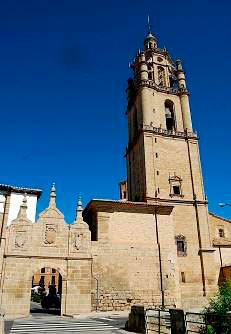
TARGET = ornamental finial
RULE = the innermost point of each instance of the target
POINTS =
(79, 210)
(23, 208)
(149, 26)
(52, 203)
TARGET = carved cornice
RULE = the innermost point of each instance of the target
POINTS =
(163, 132)
(222, 242)
(152, 84)
(170, 133)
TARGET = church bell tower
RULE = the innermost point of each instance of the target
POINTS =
(163, 162)
(162, 154)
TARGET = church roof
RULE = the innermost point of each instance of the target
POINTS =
(23, 190)
(219, 217)
(125, 205)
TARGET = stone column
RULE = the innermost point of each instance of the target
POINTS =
(184, 97)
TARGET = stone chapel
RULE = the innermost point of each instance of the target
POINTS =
(157, 245)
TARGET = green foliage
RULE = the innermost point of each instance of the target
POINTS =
(35, 297)
(216, 314)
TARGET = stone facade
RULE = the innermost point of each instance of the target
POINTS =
(158, 245)
(49, 242)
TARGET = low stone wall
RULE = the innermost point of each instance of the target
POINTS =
(124, 300)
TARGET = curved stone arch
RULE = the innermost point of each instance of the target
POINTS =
(48, 264)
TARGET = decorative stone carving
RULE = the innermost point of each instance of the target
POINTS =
(50, 234)
(78, 241)
(20, 239)
(181, 245)
(175, 183)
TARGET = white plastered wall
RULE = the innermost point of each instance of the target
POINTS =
(2, 199)
(15, 202)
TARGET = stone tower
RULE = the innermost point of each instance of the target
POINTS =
(163, 162)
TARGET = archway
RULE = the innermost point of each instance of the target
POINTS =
(46, 291)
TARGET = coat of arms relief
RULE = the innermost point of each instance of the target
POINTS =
(50, 234)
(20, 239)
(78, 241)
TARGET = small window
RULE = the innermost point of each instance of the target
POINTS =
(43, 270)
(53, 271)
(175, 186)
(182, 277)
(158, 190)
(156, 155)
(157, 173)
(180, 246)
(176, 190)
(221, 233)
(155, 140)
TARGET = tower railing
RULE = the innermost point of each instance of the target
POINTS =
(173, 132)
(152, 84)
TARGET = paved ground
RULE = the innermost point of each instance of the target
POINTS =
(44, 323)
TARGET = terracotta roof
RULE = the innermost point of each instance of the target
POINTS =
(10, 188)
(219, 217)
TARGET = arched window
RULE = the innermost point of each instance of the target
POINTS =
(150, 72)
(161, 77)
(221, 233)
(169, 115)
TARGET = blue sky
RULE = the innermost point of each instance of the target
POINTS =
(63, 72)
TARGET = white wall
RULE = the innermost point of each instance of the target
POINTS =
(16, 201)
(2, 198)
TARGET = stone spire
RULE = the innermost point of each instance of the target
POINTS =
(23, 207)
(79, 210)
(52, 203)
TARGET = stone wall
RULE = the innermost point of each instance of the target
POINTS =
(126, 258)
(49, 242)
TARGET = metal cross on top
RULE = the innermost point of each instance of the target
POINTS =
(149, 26)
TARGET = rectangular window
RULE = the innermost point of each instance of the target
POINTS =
(221, 233)
(43, 270)
(53, 271)
(180, 246)
(176, 190)
(182, 277)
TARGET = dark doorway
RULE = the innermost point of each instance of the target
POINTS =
(46, 292)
